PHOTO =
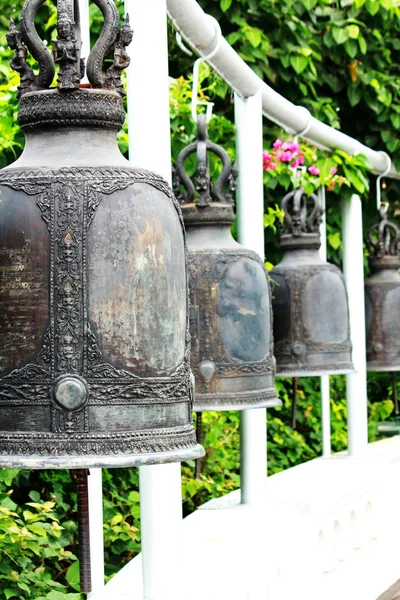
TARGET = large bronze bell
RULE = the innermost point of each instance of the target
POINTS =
(230, 315)
(382, 296)
(94, 338)
(309, 300)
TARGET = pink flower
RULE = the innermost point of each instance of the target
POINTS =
(313, 170)
(296, 163)
(277, 144)
(333, 170)
(285, 156)
(269, 167)
(266, 155)
(293, 147)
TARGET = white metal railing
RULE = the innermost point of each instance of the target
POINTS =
(199, 31)
(162, 556)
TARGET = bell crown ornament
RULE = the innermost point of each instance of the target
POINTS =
(204, 201)
(94, 326)
(382, 296)
(302, 219)
(311, 320)
(383, 242)
(230, 314)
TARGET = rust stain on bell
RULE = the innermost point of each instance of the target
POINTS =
(230, 311)
(309, 299)
(94, 328)
(382, 296)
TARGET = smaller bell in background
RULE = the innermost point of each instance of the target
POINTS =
(382, 296)
(309, 299)
(230, 314)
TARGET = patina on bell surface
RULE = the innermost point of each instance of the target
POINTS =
(309, 299)
(382, 296)
(94, 330)
(230, 315)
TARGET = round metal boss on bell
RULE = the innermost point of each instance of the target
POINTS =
(309, 300)
(230, 314)
(94, 332)
(382, 297)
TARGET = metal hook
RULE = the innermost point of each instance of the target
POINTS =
(378, 179)
(196, 68)
(181, 45)
(303, 131)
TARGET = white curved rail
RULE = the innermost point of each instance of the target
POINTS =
(198, 30)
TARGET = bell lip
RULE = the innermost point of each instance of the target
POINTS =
(313, 372)
(373, 366)
(221, 402)
(41, 462)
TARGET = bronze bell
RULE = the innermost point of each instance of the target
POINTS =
(309, 300)
(94, 330)
(230, 315)
(382, 296)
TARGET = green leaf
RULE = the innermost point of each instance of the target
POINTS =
(299, 63)
(363, 44)
(340, 35)
(72, 576)
(225, 5)
(351, 48)
(395, 119)
(334, 240)
(354, 31)
(254, 36)
(309, 4)
(9, 593)
(354, 94)
(35, 496)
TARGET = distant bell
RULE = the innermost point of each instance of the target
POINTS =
(382, 297)
(309, 299)
(230, 312)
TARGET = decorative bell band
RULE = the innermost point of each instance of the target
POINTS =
(113, 40)
(201, 187)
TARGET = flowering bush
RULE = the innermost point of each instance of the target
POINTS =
(293, 164)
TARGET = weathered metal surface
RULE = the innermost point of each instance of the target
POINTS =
(94, 328)
(382, 297)
(311, 322)
(230, 313)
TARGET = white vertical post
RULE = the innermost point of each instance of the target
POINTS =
(96, 531)
(325, 391)
(150, 148)
(250, 209)
(85, 31)
(353, 267)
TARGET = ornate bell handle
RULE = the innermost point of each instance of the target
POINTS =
(36, 46)
(104, 44)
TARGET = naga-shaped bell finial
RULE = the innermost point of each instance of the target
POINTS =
(302, 220)
(200, 189)
(383, 242)
(67, 49)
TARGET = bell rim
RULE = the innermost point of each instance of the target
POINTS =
(223, 402)
(314, 372)
(37, 462)
(375, 367)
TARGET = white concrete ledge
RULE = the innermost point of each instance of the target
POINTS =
(327, 529)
